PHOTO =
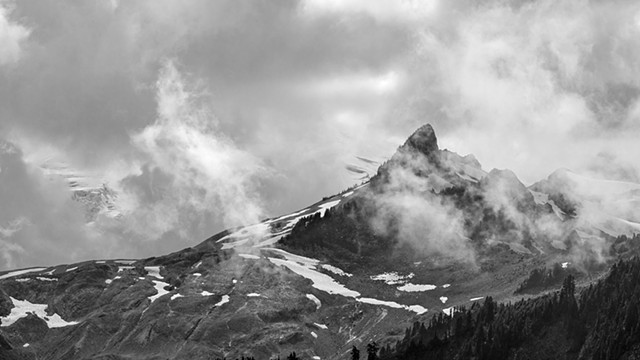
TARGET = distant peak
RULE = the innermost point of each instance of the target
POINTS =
(424, 140)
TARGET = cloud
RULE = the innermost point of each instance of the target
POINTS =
(550, 82)
(189, 166)
(396, 11)
(12, 37)
(405, 208)
(301, 88)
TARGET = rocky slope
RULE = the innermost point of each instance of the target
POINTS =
(431, 230)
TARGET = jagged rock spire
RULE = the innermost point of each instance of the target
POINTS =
(424, 140)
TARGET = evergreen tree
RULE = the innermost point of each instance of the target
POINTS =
(372, 351)
(355, 353)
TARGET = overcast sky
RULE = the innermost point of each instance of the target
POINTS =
(201, 115)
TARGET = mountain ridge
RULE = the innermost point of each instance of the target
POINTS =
(430, 231)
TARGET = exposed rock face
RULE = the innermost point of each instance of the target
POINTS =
(423, 140)
(5, 303)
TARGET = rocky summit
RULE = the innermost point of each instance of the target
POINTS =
(430, 234)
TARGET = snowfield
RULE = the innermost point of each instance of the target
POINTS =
(306, 267)
(22, 308)
(320, 281)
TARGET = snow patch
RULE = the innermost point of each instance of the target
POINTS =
(46, 278)
(315, 300)
(415, 308)
(466, 177)
(249, 256)
(314, 334)
(448, 311)
(22, 308)
(270, 241)
(175, 296)
(254, 295)
(245, 234)
(302, 260)
(71, 269)
(108, 281)
(232, 245)
(127, 262)
(444, 299)
(320, 281)
(543, 199)
(328, 205)
(21, 272)
(476, 298)
(392, 278)
(225, 299)
(22, 280)
(347, 194)
(335, 270)
(206, 293)
(159, 285)
(153, 271)
(565, 265)
(416, 287)
(291, 215)
(446, 286)
(321, 326)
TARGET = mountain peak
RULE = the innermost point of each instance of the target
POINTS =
(424, 140)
